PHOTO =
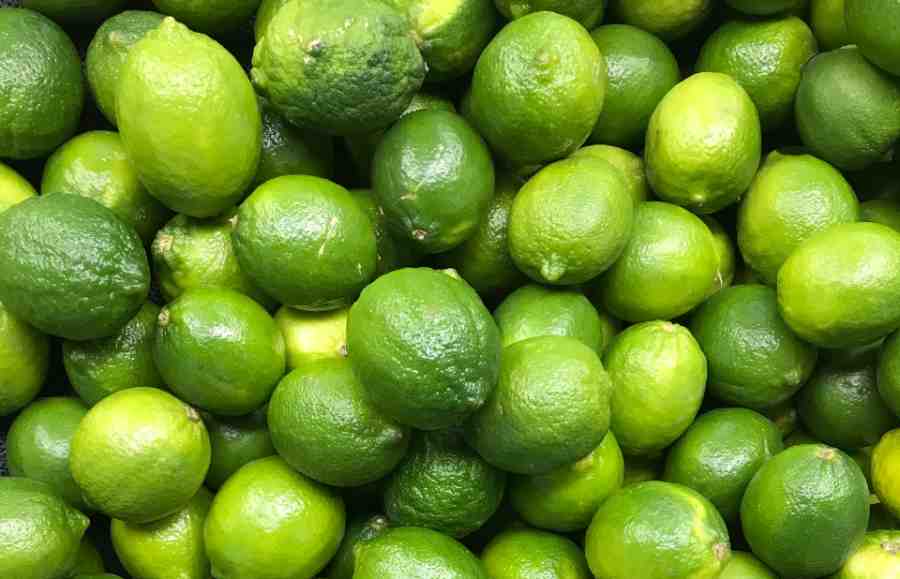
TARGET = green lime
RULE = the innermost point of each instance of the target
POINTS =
(657, 529)
(234, 442)
(586, 12)
(720, 453)
(745, 566)
(658, 374)
(170, 547)
(888, 376)
(264, 15)
(703, 143)
(310, 336)
(550, 407)
(826, 17)
(841, 288)
(792, 197)
(139, 455)
(847, 111)
(306, 242)
(39, 534)
(535, 310)
(216, 17)
(108, 51)
(885, 466)
(393, 253)
(95, 165)
(726, 256)
(79, 12)
(89, 560)
(520, 553)
(405, 552)
(287, 150)
(570, 221)
(13, 188)
(190, 253)
(324, 426)
(432, 198)
(806, 510)
(754, 358)
(883, 211)
(424, 346)
(219, 350)
(249, 536)
(641, 71)
(565, 499)
(666, 269)
(872, 25)
(784, 416)
(41, 84)
(444, 485)
(764, 7)
(337, 67)
(537, 89)
(361, 528)
(189, 119)
(88, 291)
(38, 444)
(878, 556)
(24, 362)
(669, 20)
(631, 166)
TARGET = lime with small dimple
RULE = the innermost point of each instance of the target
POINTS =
(826, 18)
(631, 166)
(404, 552)
(520, 553)
(885, 465)
(877, 556)
(215, 17)
(234, 442)
(13, 188)
(669, 20)
(872, 25)
(288, 150)
(24, 362)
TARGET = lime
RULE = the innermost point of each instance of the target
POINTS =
(306, 242)
(878, 556)
(216, 17)
(235, 441)
(392, 253)
(806, 510)
(404, 552)
(885, 465)
(219, 350)
(657, 529)
(631, 166)
(784, 416)
(726, 256)
(311, 336)
(883, 211)
(140, 455)
(270, 522)
(13, 188)
(720, 453)
(888, 377)
(667, 19)
(872, 25)
(195, 145)
(89, 560)
(764, 7)
(641, 70)
(550, 407)
(746, 566)
(570, 221)
(565, 499)
(287, 150)
(826, 17)
(586, 12)
(658, 375)
(336, 67)
(264, 15)
(519, 553)
(79, 12)
(360, 528)
(24, 361)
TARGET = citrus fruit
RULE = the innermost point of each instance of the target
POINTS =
(13, 188)
(24, 362)
(587, 13)
(264, 15)
(726, 256)
(826, 17)
(888, 376)
(287, 150)
(764, 7)
(667, 19)
(89, 560)
(424, 346)
(883, 211)
(518, 553)
(550, 407)
(872, 25)
(570, 221)
(80, 12)
(392, 253)
(746, 566)
(139, 455)
(216, 17)
(360, 528)
(876, 557)
(306, 242)
(219, 350)
(311, 336)
(703, 143)
(234, 441)
(403, 552)
(885, 461)
(631, 166)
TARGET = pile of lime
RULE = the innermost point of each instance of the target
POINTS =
(450, 289)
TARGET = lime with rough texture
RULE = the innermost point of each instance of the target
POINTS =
(140, 455)
(337, 67)
(666, 268)
(806, 510)
(841, 288)
(888, 376)
(792, 197)
(883, 211)
(885, 466)
(324, 426)
(39, 441)
(310, 336)
(287, 150)
(219, 350)
(641, 70)
(216, 17)
(424, 346)
(826, 18)
(95, 165)
(537, 89)
(483, 260)
(108, 51)
(40, 84)
(39, 534)
(392, 253)
(667, 19)
(24, 362)
(13, 188)
(522, 553)
(89, 290)
(872, 25)
(754, 358)
(404, 552)
(533, 310)
(657, 530)
(189, 119)
(359, 528)
(703, 143)
(847, 111)
(565, 499)
(270, 522)
(234, 442)
(720, 453)
(433, 177)
(631, 166)
(550, 407)
(170, 547)
(658, 375)
(190, 253)
(746, 566)
(726, 255)
(586, 12)
(764, 7)
(570, 221)
(877, 557)
(765, 58)
(306, 242)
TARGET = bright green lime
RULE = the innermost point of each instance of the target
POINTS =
(13, 188)
(586, 12)
(310, 336)
(885, 466)
(405, 552)
(667, 19)
(24, 362)
(631, 166)
(746, 566)
(520, 553)
(216, 17)
(878, 556)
